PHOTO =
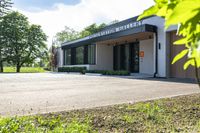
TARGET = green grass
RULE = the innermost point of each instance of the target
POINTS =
(24, 70)
(39, 124)
(180, 114)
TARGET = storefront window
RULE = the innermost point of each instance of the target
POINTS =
(91, 54)
(67, 58)
(79, 55)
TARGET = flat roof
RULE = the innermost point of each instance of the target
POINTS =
(120, 29)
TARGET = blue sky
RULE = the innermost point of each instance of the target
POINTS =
(54, 15)
(41, 4)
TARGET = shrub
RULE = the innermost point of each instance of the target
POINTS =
(47, 69)
(83, 72)
(123, 73)
(109, 72)
(72, 69)
(96, 71)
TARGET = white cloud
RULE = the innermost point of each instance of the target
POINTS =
(85, 13)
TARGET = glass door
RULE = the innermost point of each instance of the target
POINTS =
(121, 57)
(134, 57)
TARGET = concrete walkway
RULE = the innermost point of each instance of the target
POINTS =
(50, 92)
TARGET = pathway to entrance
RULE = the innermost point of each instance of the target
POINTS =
(50, 92)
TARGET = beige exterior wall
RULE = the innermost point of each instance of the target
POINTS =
(147, 62)
(104, 57)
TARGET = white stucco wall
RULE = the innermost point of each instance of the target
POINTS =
(147, 62)
(162, 58)
(60, 57)
(104, 58)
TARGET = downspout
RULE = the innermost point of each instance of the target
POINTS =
(156, 55)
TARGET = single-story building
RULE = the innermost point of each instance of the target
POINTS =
(144, 47)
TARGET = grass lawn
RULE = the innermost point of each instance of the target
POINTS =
(24, 70)
(180, 114)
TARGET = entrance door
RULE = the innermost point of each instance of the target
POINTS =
(121, 57)
(126, 57)
(134, 57)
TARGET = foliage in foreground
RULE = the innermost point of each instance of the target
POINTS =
(24, 70)
(180, 114)
(39, 124)
(185, 14)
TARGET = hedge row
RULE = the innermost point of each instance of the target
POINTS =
(109, 72)
(84, 70)
(72, 69)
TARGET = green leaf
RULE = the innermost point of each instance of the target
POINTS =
(149, 12)
(162, 12)
(189, 62)
(183, 12)
(180, 55)
(182, 41)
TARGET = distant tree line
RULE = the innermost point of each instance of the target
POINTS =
(69, 34)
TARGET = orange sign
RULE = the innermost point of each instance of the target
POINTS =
(141, 53)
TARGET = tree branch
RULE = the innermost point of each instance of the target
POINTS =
(196, 72)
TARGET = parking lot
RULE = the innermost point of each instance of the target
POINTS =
(24, 94)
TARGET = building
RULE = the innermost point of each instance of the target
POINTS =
(136, 46)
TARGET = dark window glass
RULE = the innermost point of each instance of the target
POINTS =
(79, 55)
(91, 54)
(121, 57)
(68, 57)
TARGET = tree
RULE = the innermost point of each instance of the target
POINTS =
(53, 60)
(94, 28)
(4, 8)
(36, 44)
(2, 46)
(68, 34)
(24, 43)
(185, 14)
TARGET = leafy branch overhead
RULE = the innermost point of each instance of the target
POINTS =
(185, 14)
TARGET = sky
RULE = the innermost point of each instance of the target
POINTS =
(54, 15)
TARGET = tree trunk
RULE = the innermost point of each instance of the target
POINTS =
(197, 72)
(18, 67)
(1, 67)
(1, 63)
